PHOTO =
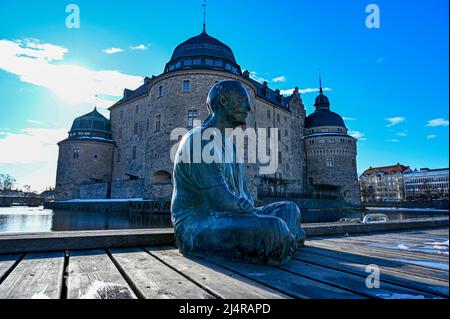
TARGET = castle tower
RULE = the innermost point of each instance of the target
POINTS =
(330, 154)
(85, 157)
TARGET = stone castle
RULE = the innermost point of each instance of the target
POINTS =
(128, 156)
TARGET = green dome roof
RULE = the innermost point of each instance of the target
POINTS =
(92, 124)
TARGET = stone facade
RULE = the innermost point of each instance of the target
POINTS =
(145, 152)
(331, 163)
(82, 162)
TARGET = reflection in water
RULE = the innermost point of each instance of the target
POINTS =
(24, 219)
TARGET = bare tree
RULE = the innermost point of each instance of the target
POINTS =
(6, 182)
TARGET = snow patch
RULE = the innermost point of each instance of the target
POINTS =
(104, 290)
(423, 263)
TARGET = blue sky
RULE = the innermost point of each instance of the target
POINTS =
(397, 72)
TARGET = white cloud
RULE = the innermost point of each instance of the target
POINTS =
(254, 75)
(403, 133)
(437, 122)
(380, 60)
(32, 61)
(31, 145)
(34, 122)
(358, 135)
(394, 121)
(393, 141)
(113, 50)
(281, 78)
(303, 91)
(431, 136)
(349, 119)
(140, 47)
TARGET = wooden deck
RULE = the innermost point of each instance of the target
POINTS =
(328, 267)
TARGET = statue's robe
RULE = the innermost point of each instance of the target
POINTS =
(271, 236)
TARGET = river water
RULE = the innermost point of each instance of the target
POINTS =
(38, 220)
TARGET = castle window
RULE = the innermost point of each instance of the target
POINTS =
(197, 61)
(325, 130)
(192, 115)
(137, 109)
(321, 141)
(311, 181)
(136, 126)
(134, 152)
(268, 114)
(228, 67)
(119, 155)
(171, 67)
(209, 62)
(161, 90)
(120, 132)
(148, 125)
(186, 86)
(158, 123)
(177, 65)
(76, 153)
(188, 62)
(285, 132)
(162, 177)
(329, 162)
(218, 63)
(278, 117)
(280, 158)
(234, 70)
(121, 114)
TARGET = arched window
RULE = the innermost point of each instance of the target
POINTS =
(162, 177)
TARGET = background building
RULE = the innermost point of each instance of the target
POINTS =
(426, 184)
(130, 156)
(383, 183)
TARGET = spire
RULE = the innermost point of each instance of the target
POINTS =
(320, 82)
(204, 16)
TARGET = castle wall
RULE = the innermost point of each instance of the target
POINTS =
(341, 171)
(93, 163)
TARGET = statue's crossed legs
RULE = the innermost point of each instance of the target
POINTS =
(270, 237)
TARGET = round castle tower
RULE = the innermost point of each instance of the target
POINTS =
(85, 157)
(330, 154)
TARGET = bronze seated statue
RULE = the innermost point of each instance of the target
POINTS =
(212, 210)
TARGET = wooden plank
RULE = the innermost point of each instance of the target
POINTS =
(222, 282)
(92, 275)
(288, 283)
(6, 263)
(369, 258)
(154, 280)
(438, 271)
(78, 240)
(381, 247)
(388, 274)
(352, 282)
(422, 249)
(37, 276)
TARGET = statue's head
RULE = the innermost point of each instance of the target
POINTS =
(229, 100)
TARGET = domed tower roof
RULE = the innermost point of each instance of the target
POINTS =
(91, 125)
(322, 115)
(203, 51)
